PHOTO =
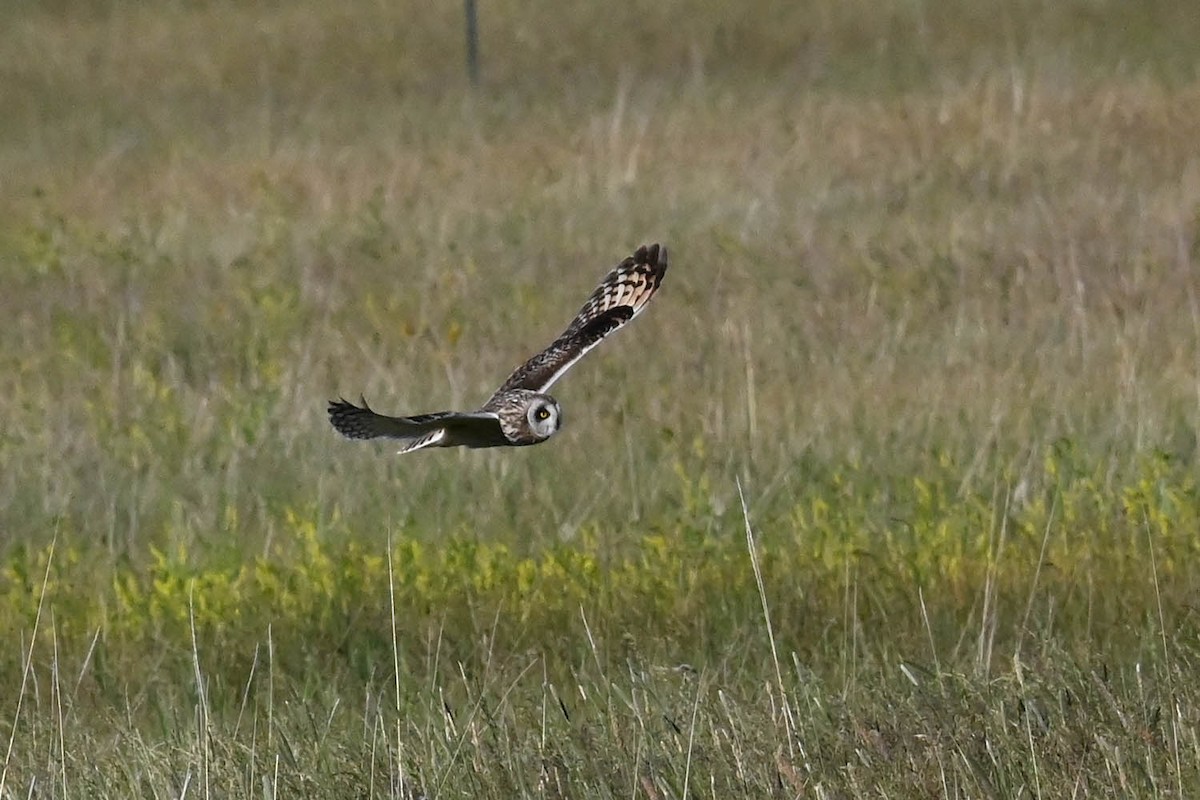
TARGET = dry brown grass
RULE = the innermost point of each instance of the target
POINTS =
(992, 259)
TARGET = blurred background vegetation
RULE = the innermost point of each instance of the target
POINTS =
(933, 301)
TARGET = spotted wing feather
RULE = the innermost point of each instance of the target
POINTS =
(619, 298)
(440, 429)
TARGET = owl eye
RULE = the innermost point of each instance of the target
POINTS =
(542, 413)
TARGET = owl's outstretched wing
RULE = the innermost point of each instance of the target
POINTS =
(441, 429)
(620, 297)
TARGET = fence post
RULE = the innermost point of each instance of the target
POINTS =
(472, 41)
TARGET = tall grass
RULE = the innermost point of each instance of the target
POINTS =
(933, 306)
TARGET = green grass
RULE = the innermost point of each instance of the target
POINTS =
(933, 306)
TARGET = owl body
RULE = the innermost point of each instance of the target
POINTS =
(520, 412)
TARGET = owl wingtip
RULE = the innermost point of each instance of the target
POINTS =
(653, 255)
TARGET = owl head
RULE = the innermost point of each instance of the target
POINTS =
(543, 415)
(528, 417)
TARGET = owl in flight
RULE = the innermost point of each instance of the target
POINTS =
(520, 412)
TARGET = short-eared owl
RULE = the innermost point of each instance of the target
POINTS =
(520, 412)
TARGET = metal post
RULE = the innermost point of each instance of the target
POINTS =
(472, 41)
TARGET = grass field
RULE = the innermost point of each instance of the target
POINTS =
(892, 492)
